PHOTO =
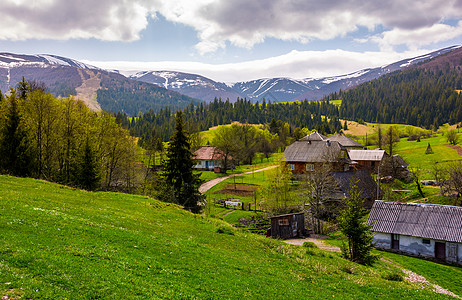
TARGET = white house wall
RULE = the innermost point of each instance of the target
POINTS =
(415, 246)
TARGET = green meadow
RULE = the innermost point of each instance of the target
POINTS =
(62, 243)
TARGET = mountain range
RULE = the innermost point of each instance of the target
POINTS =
(145, 90)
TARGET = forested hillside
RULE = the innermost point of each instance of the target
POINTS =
(198, 118)
(427, 95)
(134, 97)
(61, 140)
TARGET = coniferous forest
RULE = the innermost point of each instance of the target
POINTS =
(420, 97)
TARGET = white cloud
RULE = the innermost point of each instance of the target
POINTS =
(417, 38)
(242, 23)
(296, 64)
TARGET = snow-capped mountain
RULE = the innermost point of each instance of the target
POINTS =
(273, 89)
(192, 85)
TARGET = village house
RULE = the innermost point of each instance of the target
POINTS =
(209, 158)
(367, 159)
(425, 230)
(364, 182)
(314, 151)
(346, 142)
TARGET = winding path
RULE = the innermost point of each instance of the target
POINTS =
(209, 184)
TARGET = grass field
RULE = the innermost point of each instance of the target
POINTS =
(58, 243)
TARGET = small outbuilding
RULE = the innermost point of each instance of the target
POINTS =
(425, 230)
(367, 159)
(288, 226)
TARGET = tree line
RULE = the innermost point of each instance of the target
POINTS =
(61, 140)
(201, 117)
(420, 97)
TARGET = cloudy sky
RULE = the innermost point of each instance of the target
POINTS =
(232, 40)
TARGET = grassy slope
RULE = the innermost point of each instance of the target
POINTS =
(57, 242)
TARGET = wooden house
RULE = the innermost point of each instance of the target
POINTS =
(364, 182)
(346, 142)
(314, 151)
(425, 230)
(367, 159)
(288, 226)
(209, 158)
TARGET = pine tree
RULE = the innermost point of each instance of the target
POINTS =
(352, 223)
(88, 172)
(14, 146)
(178, 184)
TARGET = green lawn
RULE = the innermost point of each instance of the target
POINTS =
(58, 243)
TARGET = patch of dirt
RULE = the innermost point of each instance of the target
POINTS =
(321, 244)
(355, 128)
(457, 148)
(242, 190)
(87, 91)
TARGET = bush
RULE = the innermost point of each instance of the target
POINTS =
(309, 245)
(225, 230)
(393, 277)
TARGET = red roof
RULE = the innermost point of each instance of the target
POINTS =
(208, 153)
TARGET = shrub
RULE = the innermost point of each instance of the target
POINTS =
(309, 245)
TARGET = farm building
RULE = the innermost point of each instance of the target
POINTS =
(209, 158)
(313, 151)
(346, 142)
(364, 182)
(426, 230)
(288, 226)
(367, 159)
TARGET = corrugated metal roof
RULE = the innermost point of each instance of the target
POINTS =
(365, 183)
(438, 222)
(369, 155)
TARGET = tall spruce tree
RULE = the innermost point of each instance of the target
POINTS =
(177, 183)
(14, 145)
(352, 223)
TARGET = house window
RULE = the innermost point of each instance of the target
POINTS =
(310, 167)
(283, 222)
(291, 167)
(426, 241)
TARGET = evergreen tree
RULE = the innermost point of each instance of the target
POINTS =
(177, 183)
(352, 223)
(88, 171)
(14, 147)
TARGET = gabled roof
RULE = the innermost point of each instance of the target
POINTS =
(365, 183)
(431, 221)
(314, 136)
(344, 140)
(208, 153)
(313, 151)
(369, 155)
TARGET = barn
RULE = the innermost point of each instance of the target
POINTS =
(425, 230)
(288, 226)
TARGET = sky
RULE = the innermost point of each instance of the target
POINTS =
(232, 40)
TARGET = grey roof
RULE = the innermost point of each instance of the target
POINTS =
(314, 136)
(369, 155)
(344, 140)
(438, 222)
(365, 183)
(313, 151)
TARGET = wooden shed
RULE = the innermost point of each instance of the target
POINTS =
(288, 226)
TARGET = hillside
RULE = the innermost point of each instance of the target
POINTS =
(424, 95)
(98, 88)
(58, 242)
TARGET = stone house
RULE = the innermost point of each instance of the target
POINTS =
(425, 230)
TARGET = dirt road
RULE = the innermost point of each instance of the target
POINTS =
(209, 184)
